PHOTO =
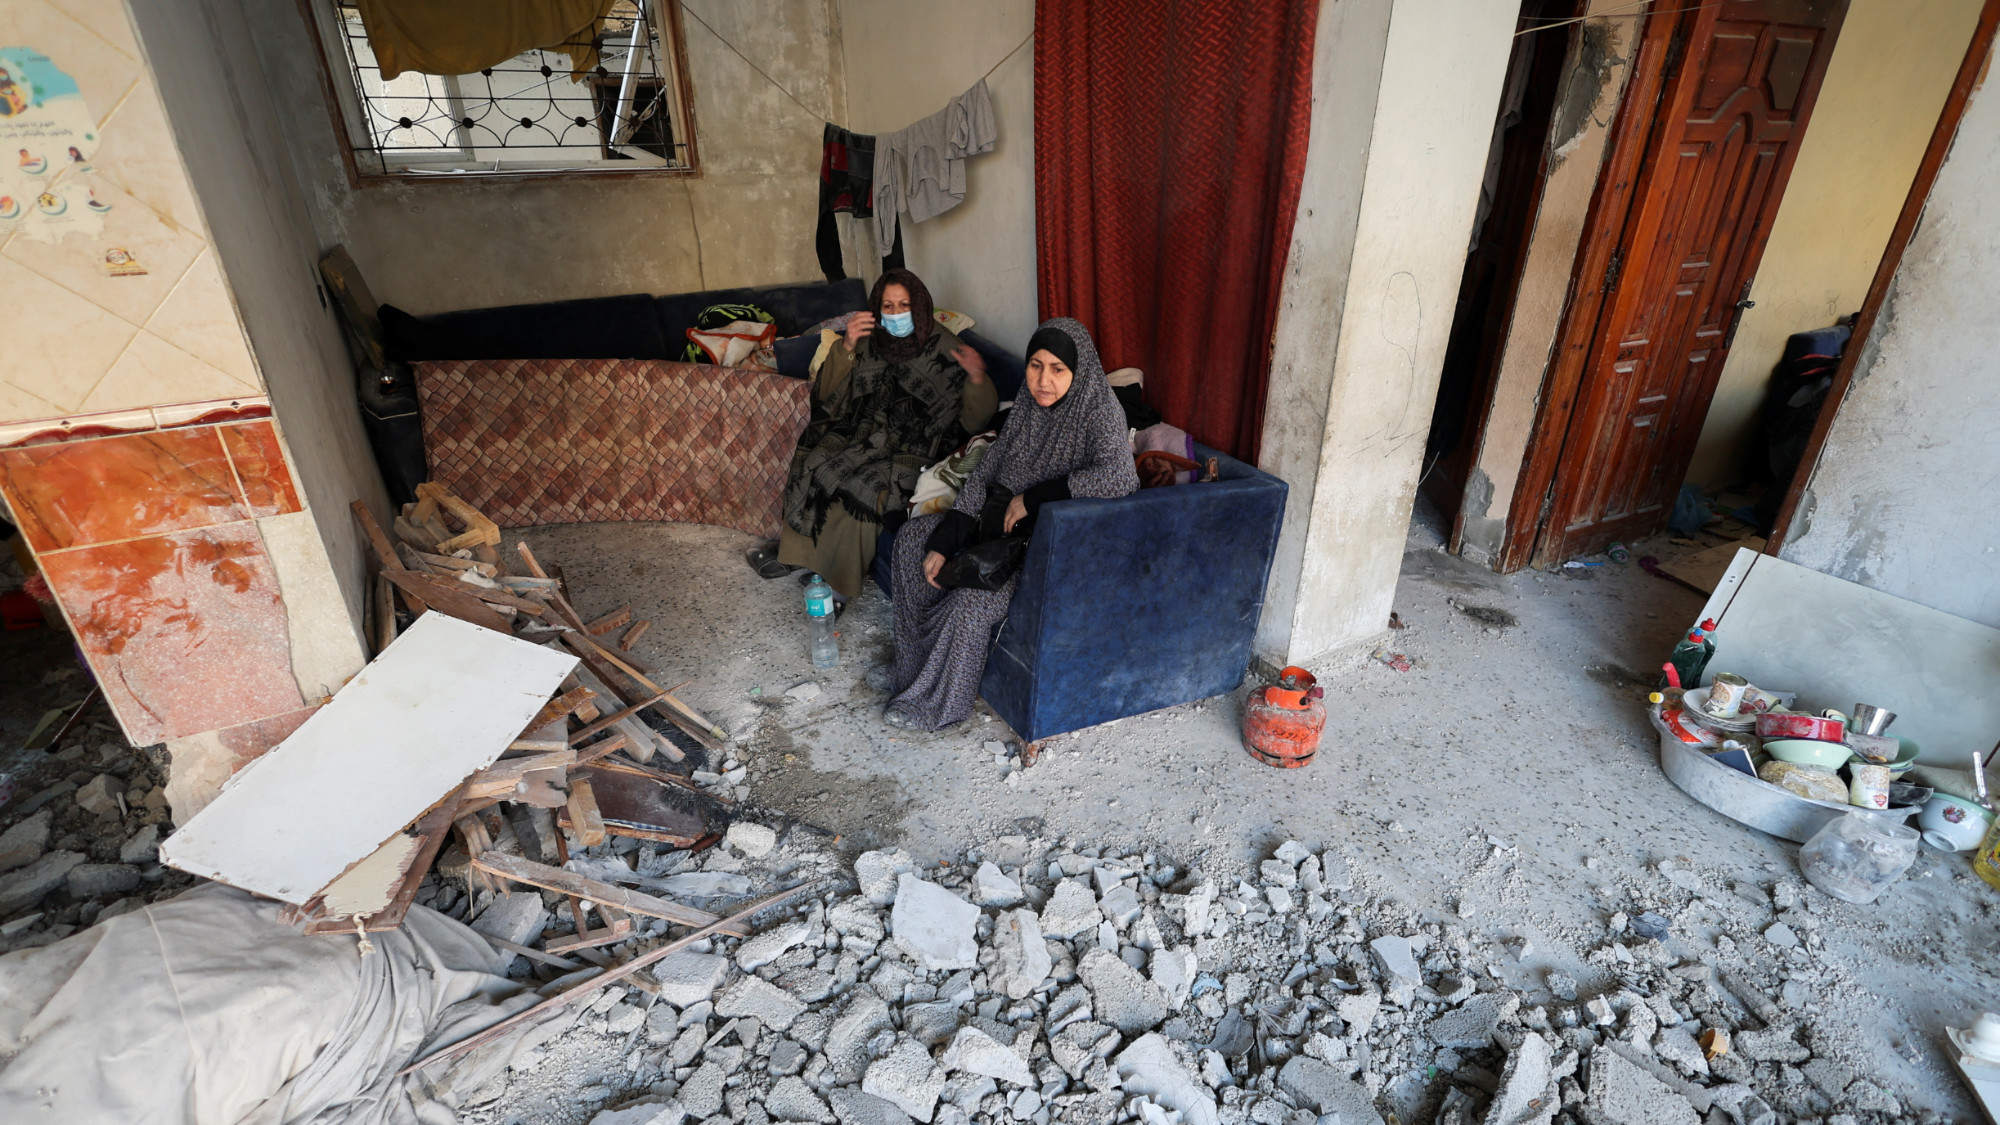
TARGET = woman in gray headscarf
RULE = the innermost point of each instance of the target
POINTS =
(1067, 438)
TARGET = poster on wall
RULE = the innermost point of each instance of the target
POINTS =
(47, 139)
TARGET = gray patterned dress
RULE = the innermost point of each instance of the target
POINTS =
(943, 636)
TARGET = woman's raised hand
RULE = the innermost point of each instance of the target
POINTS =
(861, 325)
(969, 358)
(933, 562)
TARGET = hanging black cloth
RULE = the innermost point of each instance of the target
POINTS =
(846, 183)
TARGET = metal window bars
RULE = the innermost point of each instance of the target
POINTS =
(526, 114)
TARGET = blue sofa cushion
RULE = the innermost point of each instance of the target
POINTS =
(591, 328)
(1129, 605)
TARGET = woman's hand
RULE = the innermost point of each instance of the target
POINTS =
(974, 363)
(860, 326)
(1017, 510)
(933, 562)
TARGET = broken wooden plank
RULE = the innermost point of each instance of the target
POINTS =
(453, 562)
(493, 595)
(474, 838)
(611, 720)
(601, 748)
(633, 634)
(479, 529)
(451, 599)
(415, 534)
(385, 552)
(413, 559)
(617, 927)
(563, 999)
(588, 756)
(443, 702)
(526, 585)
(645, 740)
(609, 621)
(502, 776)
(385, 613)
(562, 705)
(531, 953)
(556, 879)
(599, 661)
(583, 814)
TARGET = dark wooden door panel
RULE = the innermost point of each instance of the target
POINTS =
(1721, 146)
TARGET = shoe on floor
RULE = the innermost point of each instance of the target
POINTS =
(881, 676)
(896, 717)
(764, 560)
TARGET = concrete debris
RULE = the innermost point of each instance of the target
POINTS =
(1058, 983)
(1023, 960)
(705, 884)
(101, 880)
(976, 1052)
(26, 886)
(1119, 995)
(1071, 910)
(1623, 1094)
(992, 887)
(934, 926)
(805, 692)
(906, 1078)
(99, 796)
(688, 978)
(1150, 1066)
(142, 847)
(877, 873)
(517, 916)
(646, 1111)
(753, 840)
(25, 842)
(1319, 1087)
(766, 1002)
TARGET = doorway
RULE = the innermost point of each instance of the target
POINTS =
(1516, 169)
(1704, 146)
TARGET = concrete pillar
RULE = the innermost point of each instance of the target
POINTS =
(1404, 96)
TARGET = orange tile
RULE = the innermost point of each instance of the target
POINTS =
(98, 490)
(260, 468)
(249, 742)
(186, 632)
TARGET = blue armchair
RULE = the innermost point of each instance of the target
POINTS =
(1130, 605)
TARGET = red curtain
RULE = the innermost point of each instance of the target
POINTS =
(1170, 136)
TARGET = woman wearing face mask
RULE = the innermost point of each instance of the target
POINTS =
(897, 393)
(1066, 438)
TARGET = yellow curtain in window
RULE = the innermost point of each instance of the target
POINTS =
(467, 36)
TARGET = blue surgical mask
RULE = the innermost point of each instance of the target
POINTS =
(899, 324)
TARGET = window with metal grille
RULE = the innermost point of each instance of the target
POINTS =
(528, 115)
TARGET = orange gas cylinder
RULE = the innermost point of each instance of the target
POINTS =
(1282, 723)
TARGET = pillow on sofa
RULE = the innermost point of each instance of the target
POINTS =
(793, 308)
(592, 328)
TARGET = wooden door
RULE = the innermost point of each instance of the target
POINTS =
(1739, 88)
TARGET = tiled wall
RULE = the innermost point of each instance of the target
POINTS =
(151, 541)
(79, 337)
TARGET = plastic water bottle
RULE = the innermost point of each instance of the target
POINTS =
(819, 612)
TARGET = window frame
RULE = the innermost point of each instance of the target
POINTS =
(347, 115)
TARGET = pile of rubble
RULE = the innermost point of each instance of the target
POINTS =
(1035, 983)
(79, 842)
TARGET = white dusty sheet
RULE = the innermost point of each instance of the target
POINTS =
(441, 702)
(206, 1010)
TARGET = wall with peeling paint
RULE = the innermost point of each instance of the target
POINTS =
(1884, 87)
(1366, 310)
(902, 66)
(746, 219)
(1586, 104)
(1906, 496)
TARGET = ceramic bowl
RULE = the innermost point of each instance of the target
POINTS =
(1953, 824)
(1808, 752)
(1696, 705)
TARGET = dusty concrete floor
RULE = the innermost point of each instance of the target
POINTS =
(1507, 782)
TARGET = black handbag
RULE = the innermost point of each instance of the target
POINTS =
(992, 562)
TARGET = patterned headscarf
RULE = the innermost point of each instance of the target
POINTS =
(896, 349)
(1082, 437)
